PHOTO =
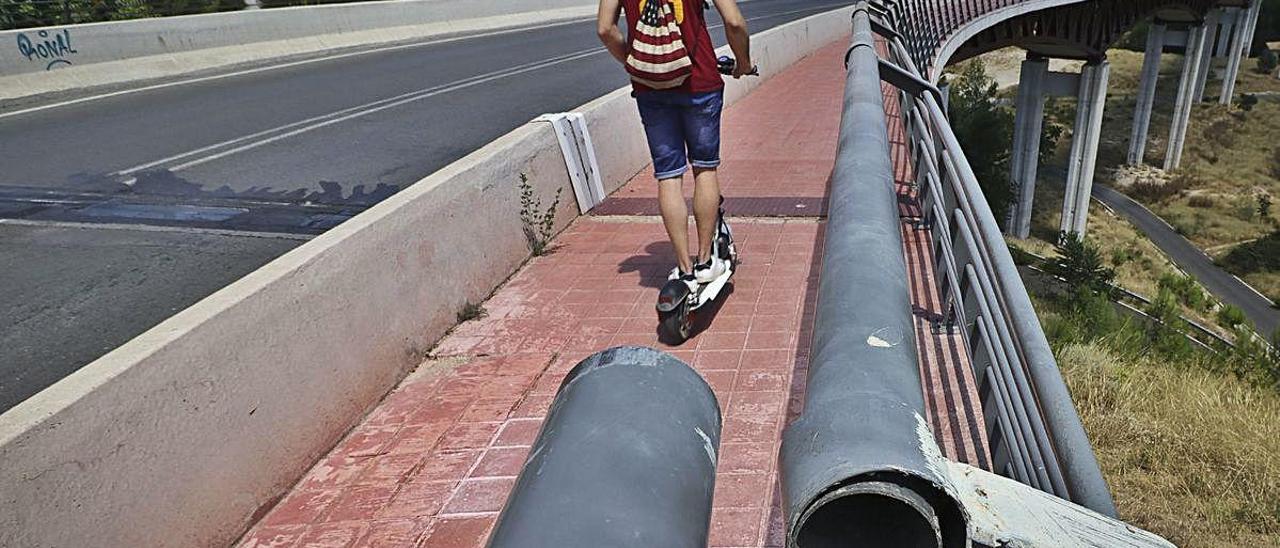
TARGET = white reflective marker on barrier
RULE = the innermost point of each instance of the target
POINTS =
(579, 157)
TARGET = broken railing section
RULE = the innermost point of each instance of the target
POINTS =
(860, 465)
(626, 458)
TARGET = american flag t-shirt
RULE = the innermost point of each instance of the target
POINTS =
(658, 57)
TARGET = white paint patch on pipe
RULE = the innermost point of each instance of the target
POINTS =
(707, 445)
(885, 337)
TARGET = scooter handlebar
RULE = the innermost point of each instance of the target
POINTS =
(727, 64)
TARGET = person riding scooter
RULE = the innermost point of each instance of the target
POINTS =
(679, 91)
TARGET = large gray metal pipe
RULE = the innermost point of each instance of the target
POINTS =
(626, 458)
(857, 468)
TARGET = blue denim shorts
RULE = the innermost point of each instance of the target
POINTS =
(683, 129)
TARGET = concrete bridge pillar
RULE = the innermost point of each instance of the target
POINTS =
(1206, 55)
(1024, 159)
(1084, 145)
(1242, 40)
(1228, 21)
(1186, 97)
(1146, 93)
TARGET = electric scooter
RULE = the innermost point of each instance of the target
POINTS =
(677, 301)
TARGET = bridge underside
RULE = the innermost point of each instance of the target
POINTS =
(1081, 31)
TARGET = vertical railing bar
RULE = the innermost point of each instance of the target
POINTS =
(1046, 458)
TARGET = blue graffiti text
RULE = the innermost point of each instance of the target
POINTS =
(51, 50)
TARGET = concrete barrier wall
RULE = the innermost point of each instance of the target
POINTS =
(181, 436)
(43, 60)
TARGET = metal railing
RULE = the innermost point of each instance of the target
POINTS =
(859, 465)
(1035, 434)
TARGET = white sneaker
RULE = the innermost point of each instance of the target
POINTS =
(707, 272)
(688, 279)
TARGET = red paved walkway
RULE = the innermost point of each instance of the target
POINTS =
(433, 464)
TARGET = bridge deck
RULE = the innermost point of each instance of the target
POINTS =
(434, 462)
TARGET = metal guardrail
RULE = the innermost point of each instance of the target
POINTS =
(860, 462)
(1035, 433)
(859, 466)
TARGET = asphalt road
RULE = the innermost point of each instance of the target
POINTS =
(292, 150)
(1190, 259)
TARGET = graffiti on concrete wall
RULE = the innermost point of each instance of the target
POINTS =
(53, 50)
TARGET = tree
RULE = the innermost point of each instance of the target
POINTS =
(1080, 263)
(985, 130)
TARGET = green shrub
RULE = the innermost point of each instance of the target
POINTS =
(1248, 101)
(1187, 291)
(1267, 61)
(538, 223)
(1080, 263)
(1253, 358)
(1230, 316)
(1245, 208)
(1167, 334)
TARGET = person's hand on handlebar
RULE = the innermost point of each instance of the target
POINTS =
(743, 67)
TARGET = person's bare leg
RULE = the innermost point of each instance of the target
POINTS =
(675, 215)
(706, 208)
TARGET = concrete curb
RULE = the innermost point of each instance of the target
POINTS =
(102, 54)
(183, 435)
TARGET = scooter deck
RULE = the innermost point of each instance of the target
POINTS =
(709, 291)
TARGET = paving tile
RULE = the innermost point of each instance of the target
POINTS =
(333, 535)
(285, 536)
(501, 462)
(388, 468)
(301, 508)
(392, 533)
(335, 470)
(741, 490)
(359, 503)
(520, 432)
(418, 500)
(479, 495)
(735, 527)
(747, 457)
(462, 532)
(447, 465)
(469, 435)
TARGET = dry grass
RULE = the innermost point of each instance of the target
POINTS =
(1191, 455)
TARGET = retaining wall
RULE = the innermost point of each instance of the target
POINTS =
(183, 435)
(43, 60)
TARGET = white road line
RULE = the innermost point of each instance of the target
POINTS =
(366, 111)
(428, 42)
(273, 135)
(157, 228)
(330, 115)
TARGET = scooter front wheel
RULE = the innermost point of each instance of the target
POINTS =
(675, 325)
